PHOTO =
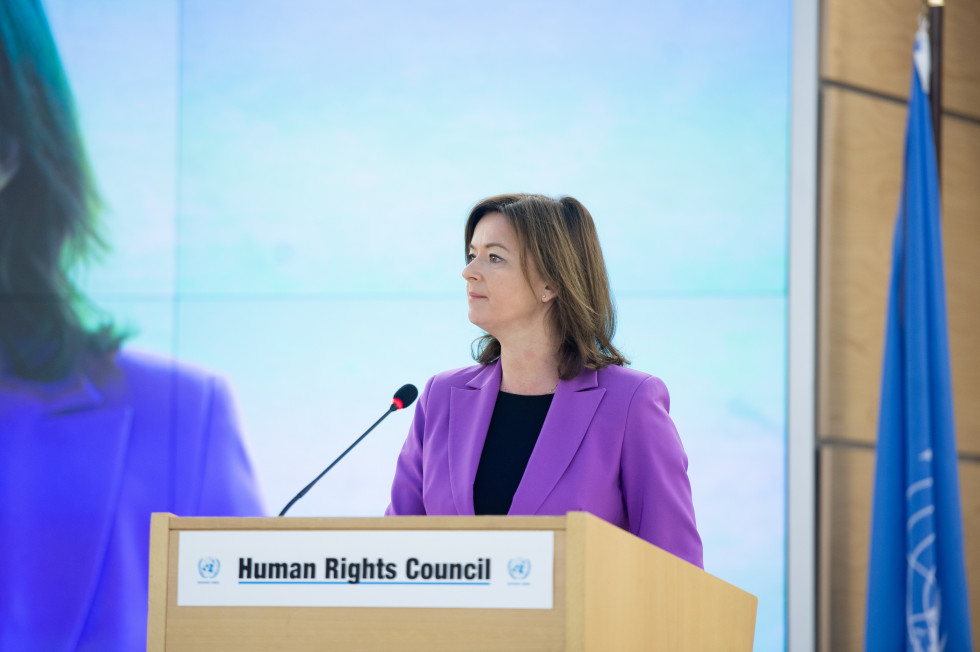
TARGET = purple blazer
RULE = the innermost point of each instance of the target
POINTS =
(83, 463)
(607, 446)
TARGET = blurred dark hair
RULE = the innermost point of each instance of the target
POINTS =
(559, 237)
(49, 207)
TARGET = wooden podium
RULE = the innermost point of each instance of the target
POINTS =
(611, 591)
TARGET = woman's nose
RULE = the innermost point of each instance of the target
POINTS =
(469, 272)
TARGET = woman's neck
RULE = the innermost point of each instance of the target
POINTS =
(529, 370)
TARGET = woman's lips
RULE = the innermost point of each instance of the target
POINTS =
(474, 295)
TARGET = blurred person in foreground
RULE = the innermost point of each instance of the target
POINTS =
(550, 420)
(93, 438)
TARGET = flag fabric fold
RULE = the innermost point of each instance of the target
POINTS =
(917, 588)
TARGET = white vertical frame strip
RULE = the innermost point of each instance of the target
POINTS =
(801, 463)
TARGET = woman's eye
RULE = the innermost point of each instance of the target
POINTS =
(470, 258)
(494, 258)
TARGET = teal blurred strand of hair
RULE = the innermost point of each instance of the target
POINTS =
(49, 209)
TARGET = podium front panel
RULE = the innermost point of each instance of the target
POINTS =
(609, 589)
(243, 628)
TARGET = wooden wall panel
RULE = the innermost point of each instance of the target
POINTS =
(961, 238)
(970, 497)
(868, 43)
(866, 63)
(846, 480)
(862, 149)
(961, 57)
(861, 168)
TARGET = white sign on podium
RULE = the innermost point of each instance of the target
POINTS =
(507, 569)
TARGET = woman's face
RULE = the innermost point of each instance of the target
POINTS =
(501, 300)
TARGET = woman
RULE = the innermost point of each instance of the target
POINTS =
(550, 420)
(93, 438)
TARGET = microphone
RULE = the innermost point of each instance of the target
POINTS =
(404, 397)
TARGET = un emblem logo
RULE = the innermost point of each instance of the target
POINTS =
(208, 567)
(519, 568)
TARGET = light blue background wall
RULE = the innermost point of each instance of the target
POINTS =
(287, 182)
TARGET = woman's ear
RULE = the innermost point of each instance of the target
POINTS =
(548, 293)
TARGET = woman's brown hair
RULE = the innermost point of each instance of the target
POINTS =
(558, 236)
(49, 209)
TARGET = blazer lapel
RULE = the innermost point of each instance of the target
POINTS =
(575, 403)
(470, 409)
(61, 468)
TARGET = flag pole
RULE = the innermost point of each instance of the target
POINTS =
(936, 8)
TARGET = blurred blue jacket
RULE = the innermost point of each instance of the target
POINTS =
(83, 464)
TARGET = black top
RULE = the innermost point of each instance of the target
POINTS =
(514, 429)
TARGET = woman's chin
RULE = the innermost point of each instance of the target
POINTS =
(476, 320)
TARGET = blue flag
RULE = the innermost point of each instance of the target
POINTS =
(917, 590)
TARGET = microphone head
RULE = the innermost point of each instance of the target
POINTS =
(405, 396)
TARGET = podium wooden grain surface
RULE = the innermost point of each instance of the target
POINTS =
(612, 591)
